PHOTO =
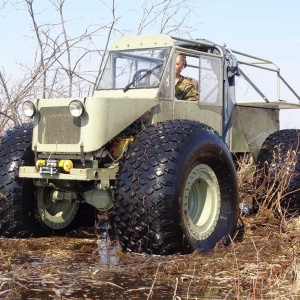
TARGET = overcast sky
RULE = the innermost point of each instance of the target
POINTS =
(265, 28)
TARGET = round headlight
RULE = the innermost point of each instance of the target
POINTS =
(76, 108)
(29, 109)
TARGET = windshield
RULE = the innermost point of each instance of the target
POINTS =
(134, 69)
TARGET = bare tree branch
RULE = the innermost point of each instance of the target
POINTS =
(111, 28)
(61, 61)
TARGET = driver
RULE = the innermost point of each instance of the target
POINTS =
(184, 87)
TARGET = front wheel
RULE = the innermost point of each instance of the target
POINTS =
(54, 213)
(16, 195)
(201, 202)
(176, 190)
(26, 209)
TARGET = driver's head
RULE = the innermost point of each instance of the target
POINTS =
(180, 64)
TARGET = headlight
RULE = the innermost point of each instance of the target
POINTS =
(29, 109)
(76, 108)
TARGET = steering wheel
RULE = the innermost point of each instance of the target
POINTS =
(139, 74)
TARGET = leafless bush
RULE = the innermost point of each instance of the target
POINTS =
(68, 64)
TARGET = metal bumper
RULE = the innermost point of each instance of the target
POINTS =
(100, 174)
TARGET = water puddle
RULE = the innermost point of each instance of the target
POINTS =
(87, 266)
(83, 268)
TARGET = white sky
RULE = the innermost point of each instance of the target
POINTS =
(265, 28)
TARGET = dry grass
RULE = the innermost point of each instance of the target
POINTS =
(263, 265)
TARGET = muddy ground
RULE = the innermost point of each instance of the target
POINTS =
(263, 264)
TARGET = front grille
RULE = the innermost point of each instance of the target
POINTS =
(58, 126)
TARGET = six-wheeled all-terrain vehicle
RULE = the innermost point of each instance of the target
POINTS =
(163, 167)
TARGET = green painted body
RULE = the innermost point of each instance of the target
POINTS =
(111, 110)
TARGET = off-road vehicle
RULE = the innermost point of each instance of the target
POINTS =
(162, 167)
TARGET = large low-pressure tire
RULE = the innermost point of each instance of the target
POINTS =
(279, 163)
(176, 190)
(14, 212)
(27, 210)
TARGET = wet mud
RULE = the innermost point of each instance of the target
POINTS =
(81, 268)
(86, 265)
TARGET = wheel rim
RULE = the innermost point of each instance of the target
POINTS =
(201, 202)
(56, 214)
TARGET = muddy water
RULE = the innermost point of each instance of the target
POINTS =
(85, 267)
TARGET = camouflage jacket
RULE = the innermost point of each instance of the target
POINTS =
(185, 89)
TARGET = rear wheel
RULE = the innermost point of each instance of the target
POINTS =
(176, 190)
(278, 168)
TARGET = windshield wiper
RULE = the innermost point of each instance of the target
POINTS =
(126, 88)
